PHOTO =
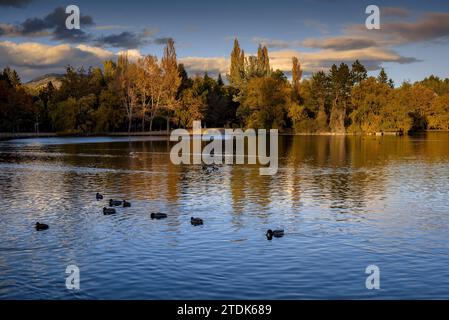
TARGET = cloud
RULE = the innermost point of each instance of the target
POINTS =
(131, 40)
(212, 65)
(15, 3)
(432, 26)
(33, 59)
(275, 43)
(395, 12)
(125, 40)
(372, 58)
(52, 25)
(162, 41)
(339, 43)
(96, 51)
(133, 55)
(110, 27)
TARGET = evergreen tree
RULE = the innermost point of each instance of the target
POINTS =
(382, 77)
(341, 83)
(220, 80)
(358, 72)
(320, 96)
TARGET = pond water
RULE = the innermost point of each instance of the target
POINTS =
(344, 202)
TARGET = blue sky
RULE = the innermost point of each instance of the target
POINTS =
(413, 41)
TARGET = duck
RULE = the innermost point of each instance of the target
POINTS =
(158, 215)
(210, 169)
(99, 196)
(108, 211)
(274, 233)
(41, 226)
(126, 204)
(196, 221)
(115, 203)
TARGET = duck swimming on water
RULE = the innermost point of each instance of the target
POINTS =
(108, 211)
(115, 203)
(99, 196)
(274, 233)
(126, 204)
(158, 215)
(196, 221)
(41, 226)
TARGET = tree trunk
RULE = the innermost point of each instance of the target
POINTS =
(151, 124)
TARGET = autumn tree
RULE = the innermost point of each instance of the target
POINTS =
(171, 79)
(263, 62)
(129, 94)
(368, 100)
(296, 77)
(438, 117)
(237, 70)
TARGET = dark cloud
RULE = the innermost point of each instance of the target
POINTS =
(275, 43)
(130, 40)
(162, 41)
(125, 40)
(432, 26)
(52, 25)
(339, 43)
(15, 3)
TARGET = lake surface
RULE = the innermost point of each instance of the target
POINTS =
(344, 202)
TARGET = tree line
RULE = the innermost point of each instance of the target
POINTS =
(151, 94)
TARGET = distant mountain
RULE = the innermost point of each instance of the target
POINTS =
(42, 81)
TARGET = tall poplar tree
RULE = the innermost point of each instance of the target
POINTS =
(296, 77)
(237, 71)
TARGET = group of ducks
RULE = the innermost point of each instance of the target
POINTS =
(279, 233)
(210, 169)
(154, 215)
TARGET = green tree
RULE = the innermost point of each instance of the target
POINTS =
(382, 77)
(369, 98)
(341, 83)
(320, 88)
(358, 72)
(264, 103)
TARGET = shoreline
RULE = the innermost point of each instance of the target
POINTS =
(4, 136)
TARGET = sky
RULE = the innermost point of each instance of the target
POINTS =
(412, 43)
